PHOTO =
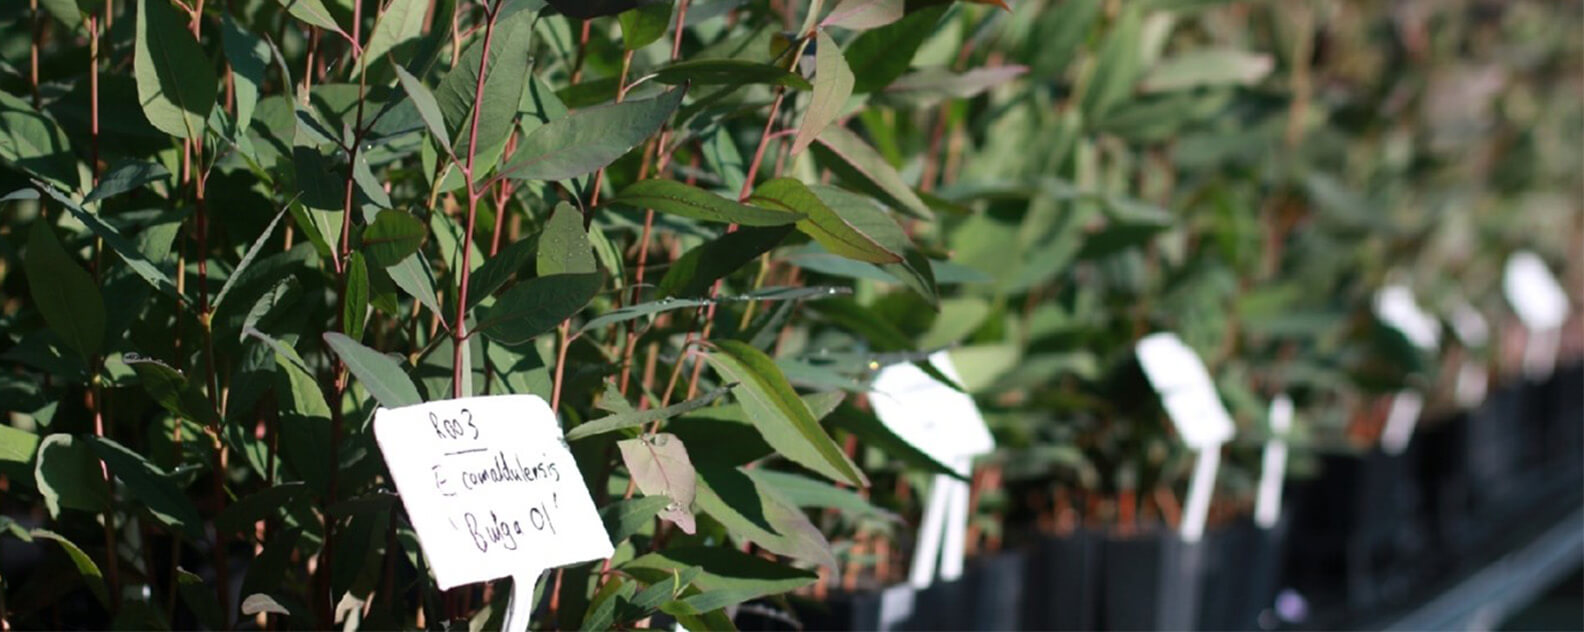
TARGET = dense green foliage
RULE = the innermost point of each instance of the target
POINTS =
(231, 230)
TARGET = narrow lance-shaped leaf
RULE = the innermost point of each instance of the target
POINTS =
(659, 464)
(822, 222)
(85, 565)
(589, 139)
(312, 12)
(644, 24)
(174, 391)
(176, 85)
(877, 57)
(64, 292)
(400, 23)
(126, 176)
(394, 236)
(355, 302)
(248, 257)
(380, 374)
(624, 518)
(833, 84)
(249, 56)
(864, 14)
(428, 108)
(636, 418)
(124, 249)
(728, 72)
(677, 198)
(695, 272)
(852, 158)
(151, 487)
(781, 418)
(67, 475)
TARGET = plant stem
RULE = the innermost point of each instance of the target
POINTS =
(459, 331)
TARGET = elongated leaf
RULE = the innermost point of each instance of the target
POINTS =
(760, 515)
(18, 446)
(1208, 67)
(833, 84)
(30, 140)
(697, 270)
(782, 419)
(807, 493)
(264, 504)
(175, 84)
(126, 176)
(636, 418)
(249, 56)
(728, 72)
(413, 276)
(723, 568)
(499, 269)
(590, 9)
(248, 258)
(536, 306)
(624, 518)
(124, 249)
(67, 474)
(394, 236)
(151, 487)
(848, 155)
(676, 198)
(428, 108)
(505, 76)
(313, 13)
(660, 465)
(259, 603)
(644, 24)
(174, 392)
(864, 14)
(399, 26)
(564, 245)
(590, 138)
(671, 304)
(380, 374)
(822, 222)
(355, 305)
(877, 57)
(1117, 68)
(64, 293)
(943, 83)
(84, 564)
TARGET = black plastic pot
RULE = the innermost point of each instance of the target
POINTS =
(1241, 568)
(1064, 582)
(1151, 582)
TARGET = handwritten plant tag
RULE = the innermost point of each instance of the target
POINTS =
(1186, 391)
(940, 421)
(491, 489)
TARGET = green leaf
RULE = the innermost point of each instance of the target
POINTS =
(1058, 32)
(833, 84)
(696, 270)
(175, 83)
(675, 198)
(670, 304)
(1207, 67)
(659, 464)
(932, 84)
(807, 493)
(30, 140)
(151, 486)
(200, 598)
(590, 138)
(642, 25)
(864, 14)
(499, 269)
(505, 77)
(174, 391)
(760, 515)
(64, 293)
(782, 419)
(313, 13)
(624, 518)
(126, 176)
(394, 236)
(84, 564)
(564, 245)
(381, 374)
(822, 222)
(1117, 68)
(636, 418)
(249, 56)
(848, 155)
(67, 11)
(728, 72)
(722, 568)
(68, 476)
(536, 306)
(877, 57)
(428, 108)
(238, 517)
(413, 276)
(17, 446)
(129, 253)
(399, 26)
(355, 306)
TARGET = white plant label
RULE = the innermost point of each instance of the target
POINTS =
(1273, 469)
(1472, 378)
(938, 420)
(492, 490)
(1396, 307)
(1400, 421)
(1190, 399)
(1541, 304)
(946, 425)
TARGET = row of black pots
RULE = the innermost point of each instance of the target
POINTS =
(1358, 539)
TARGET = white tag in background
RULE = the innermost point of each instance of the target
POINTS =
(1400, 421)
(1190, 399)
(1273, 468)
(1541, 304)
(1396, 307)
(492, 490)
(1472, 379)
(945, 424)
